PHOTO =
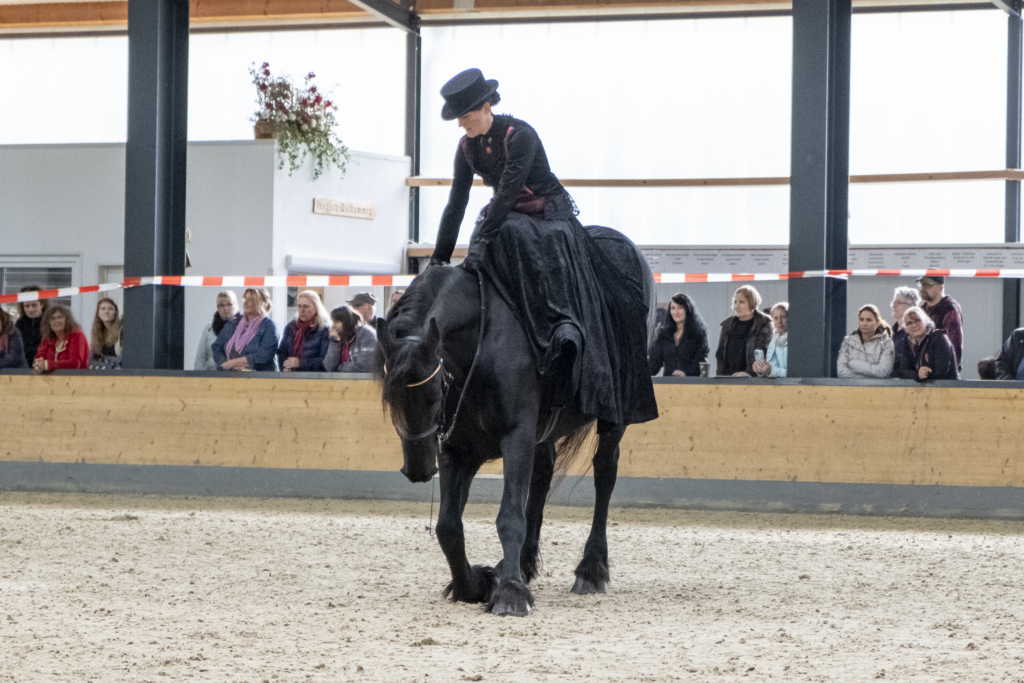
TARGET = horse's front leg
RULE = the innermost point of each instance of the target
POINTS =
(540, 485)
(469, 583)
(592, 573)
(513, 598)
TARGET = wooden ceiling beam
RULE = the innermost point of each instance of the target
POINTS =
(86, 16)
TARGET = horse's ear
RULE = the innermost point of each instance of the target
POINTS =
(433, 335)
(384, 340)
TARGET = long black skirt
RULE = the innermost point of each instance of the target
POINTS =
(574, 295)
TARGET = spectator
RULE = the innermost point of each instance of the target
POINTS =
(934, 356)
(682, 341)
(251, 342)
(106, 336)
(30, 318)
(867, 352)
(742, 334)
(63, 346)
(987, 368)
(903, 299)
(1010, 361)
(353, 343)
(305, 339)
(944, 311)
(774, 363)
(12, 349)
(363, 304)
(227, 309)
(395, 296)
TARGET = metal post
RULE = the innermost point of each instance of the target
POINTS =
(819, 183)
(413, 87)
(1011, 287)
(154, 225)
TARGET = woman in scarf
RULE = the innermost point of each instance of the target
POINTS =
(586, 333)
(867, 352)
(777, 355)
(304, 343)
(227, 309)
(251, 342)
(353, 343)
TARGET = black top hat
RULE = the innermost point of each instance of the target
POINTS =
(465, 92)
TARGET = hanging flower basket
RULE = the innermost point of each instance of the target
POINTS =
(301, 120)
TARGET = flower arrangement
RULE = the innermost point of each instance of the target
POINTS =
(301, 119)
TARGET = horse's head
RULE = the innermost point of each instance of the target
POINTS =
(412, 379)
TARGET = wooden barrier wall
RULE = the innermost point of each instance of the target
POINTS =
(839, 434)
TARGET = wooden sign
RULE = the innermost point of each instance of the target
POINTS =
(333, 207)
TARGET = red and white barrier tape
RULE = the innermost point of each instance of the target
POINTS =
(406, 280)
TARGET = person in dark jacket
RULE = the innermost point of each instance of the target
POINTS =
(682, 341)
(1010, 361)
(743, 334)
(944, 311)
(305, 339)
(934, 356)
(30, 318)
(12, 350)
(353, 343)
(903, 299)
(249, 343)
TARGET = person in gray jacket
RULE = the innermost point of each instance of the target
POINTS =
(353, 343)
(867, 352)
(227, 308)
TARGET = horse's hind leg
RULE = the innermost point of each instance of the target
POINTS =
(469, 584)
(540, 485)
(592, 572)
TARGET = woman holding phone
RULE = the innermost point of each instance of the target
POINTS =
(742, 335)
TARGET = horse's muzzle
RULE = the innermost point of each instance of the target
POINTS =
(419, 475)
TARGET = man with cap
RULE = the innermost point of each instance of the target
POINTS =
(944, 311)
(362, 303)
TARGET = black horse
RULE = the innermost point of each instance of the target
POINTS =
(450, 325)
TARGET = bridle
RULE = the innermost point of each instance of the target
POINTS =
(445, 382)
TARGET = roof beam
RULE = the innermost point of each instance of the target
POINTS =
(392, 13)
(1011, 7)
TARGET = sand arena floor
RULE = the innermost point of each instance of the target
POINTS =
(103, 588)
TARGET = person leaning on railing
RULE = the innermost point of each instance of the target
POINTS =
(12, 350)
(29, 323)
(64, 346)
(106, 336)
(776, 358)
(227, 309)
(934, 356)
(305, 339)
(251, 342)
(743, 334)
(867, 352)
(682, 341)
(903, 299)
(353, 343)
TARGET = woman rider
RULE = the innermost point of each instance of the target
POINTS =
(585, 318)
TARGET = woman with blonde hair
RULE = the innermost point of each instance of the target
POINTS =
(64, 346)
(106, 336)
(227, 309)
(867, 352)
(305, 340)
(250, 343)
(743, 335)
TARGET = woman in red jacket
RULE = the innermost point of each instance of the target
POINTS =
(64, 346)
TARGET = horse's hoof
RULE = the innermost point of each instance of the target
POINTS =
(586, 587)
(484, 582)
(512, 599)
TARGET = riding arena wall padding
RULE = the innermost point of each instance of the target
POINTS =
(883, 448)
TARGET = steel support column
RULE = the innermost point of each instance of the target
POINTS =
(154, 225)
(413, 88)
(819, 185)
(1015, 57)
